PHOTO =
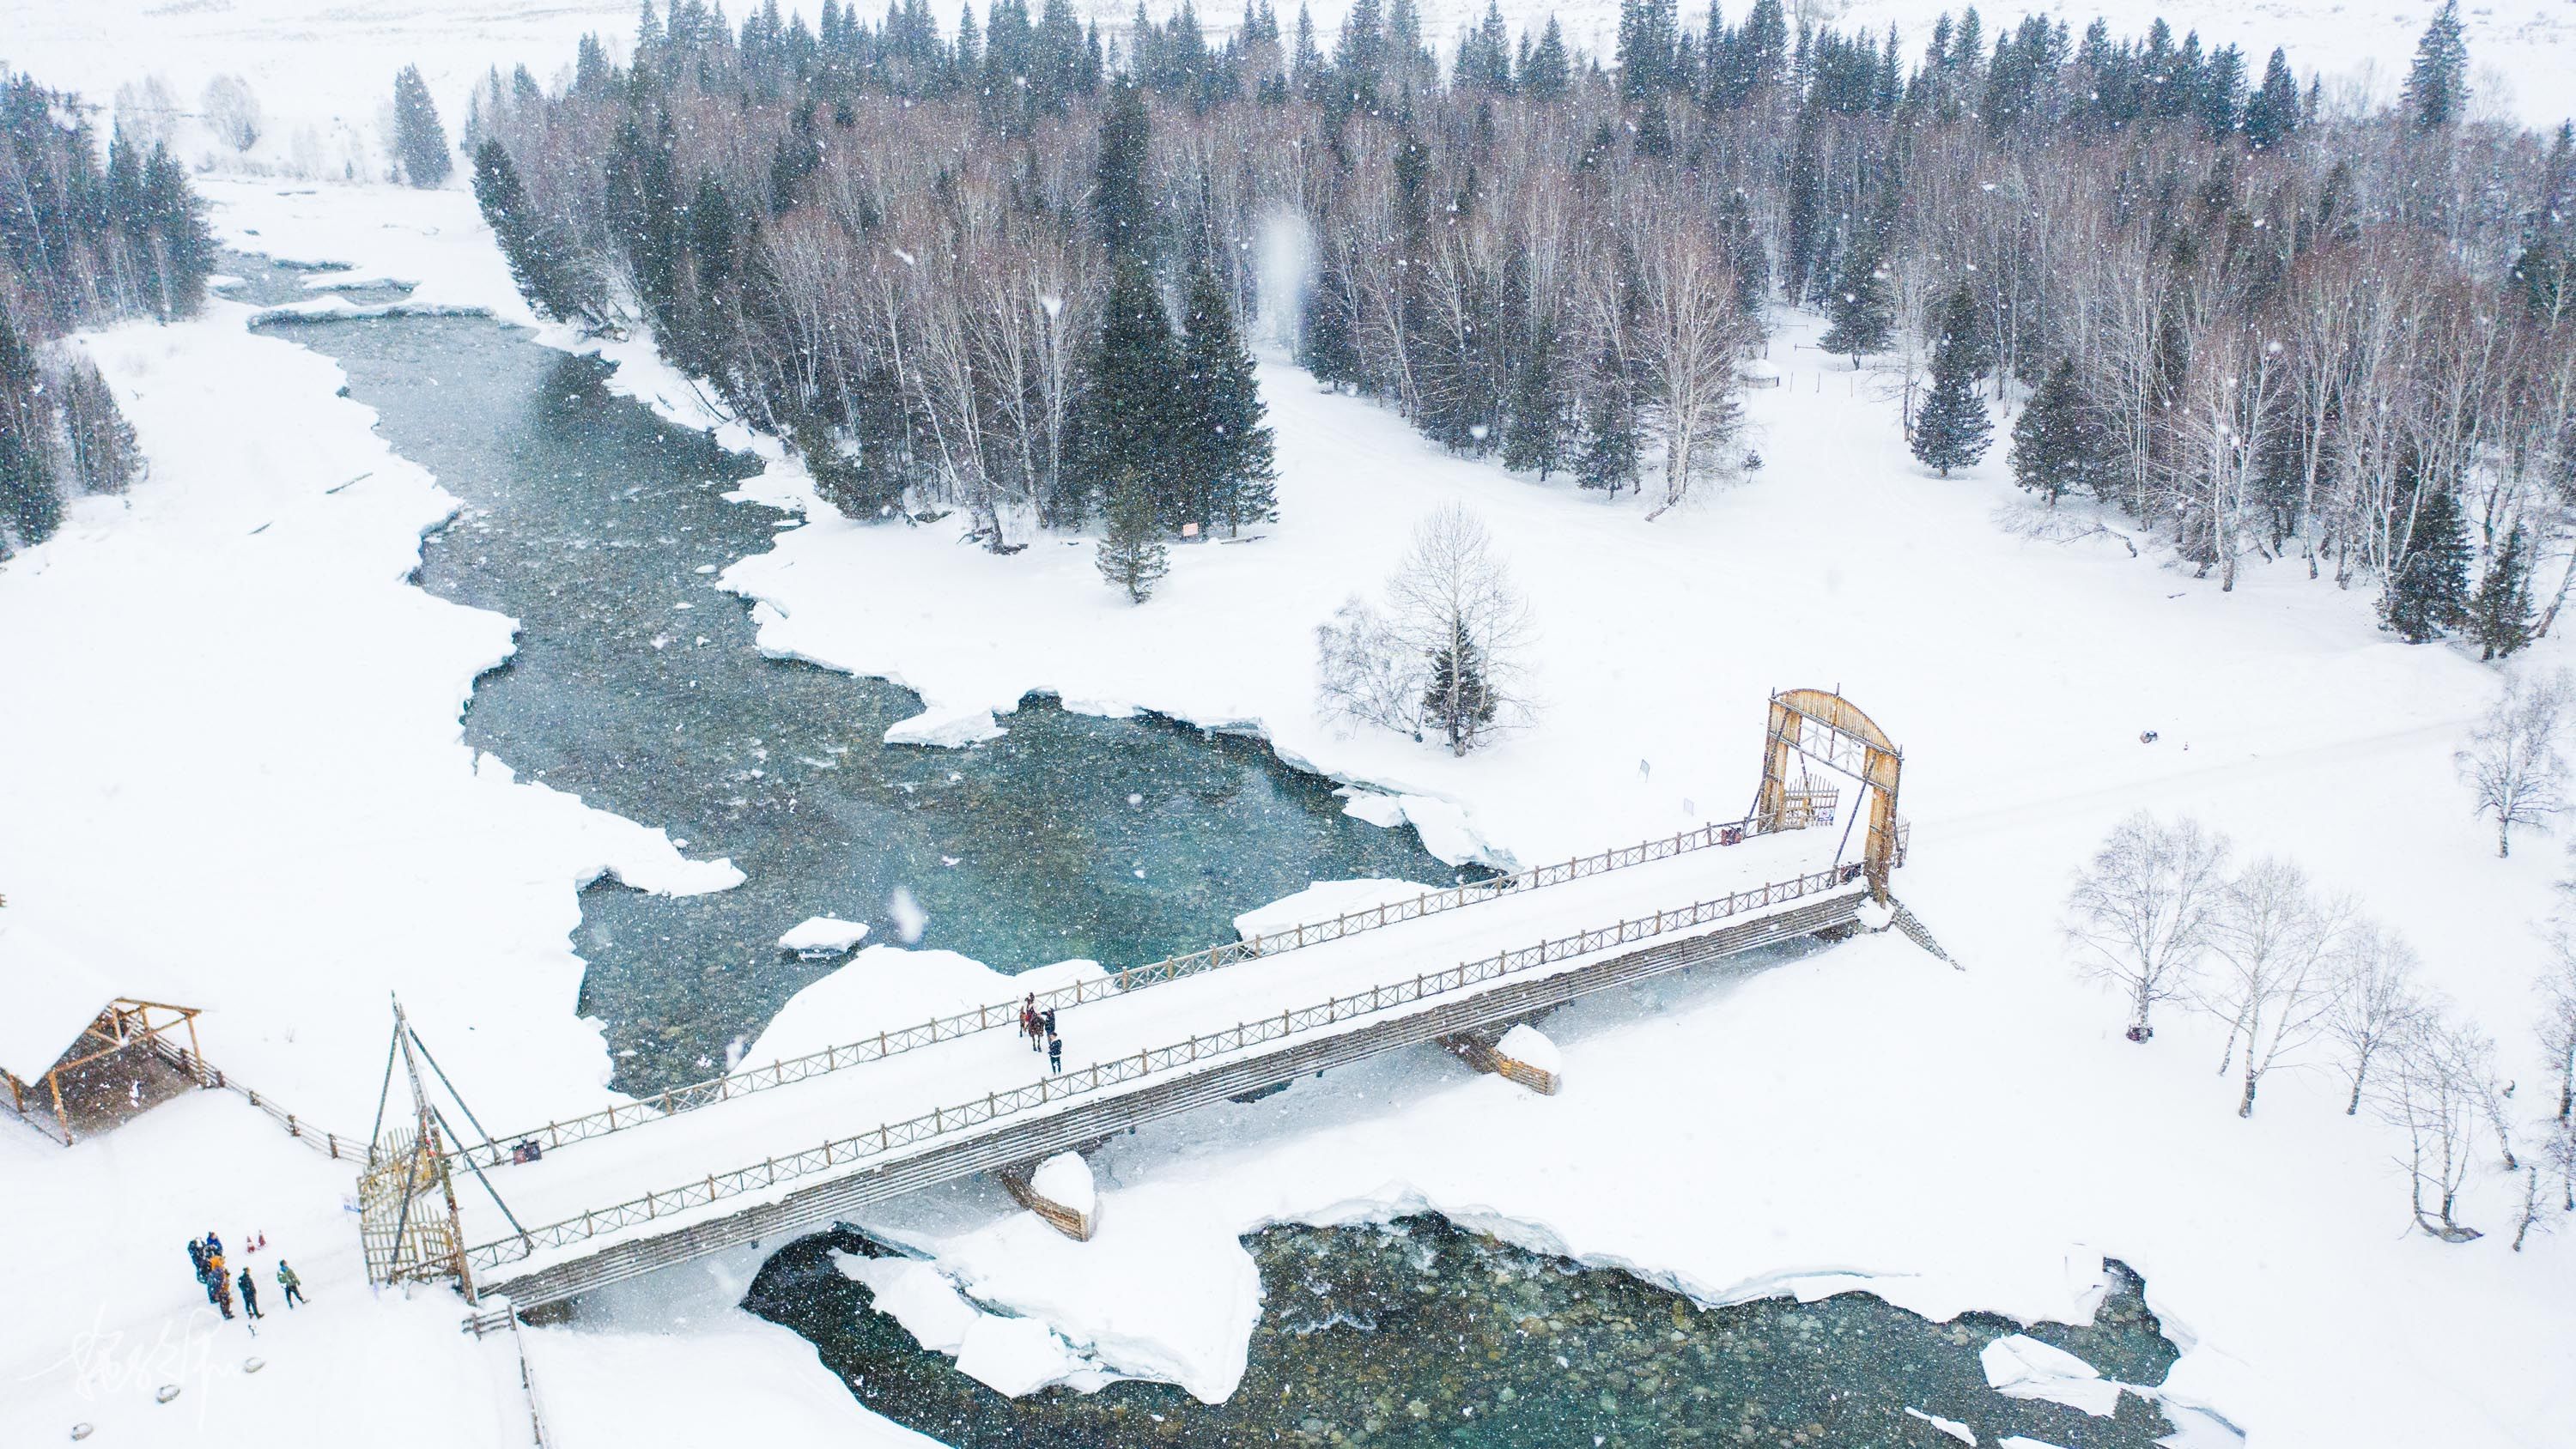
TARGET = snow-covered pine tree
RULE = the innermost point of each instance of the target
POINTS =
(1744, 252)
(1458, 701)
(1548, 72)
(552, 281)
(1119, 205)
(2437, 86)
(1131, 556)
(1953, 431)
(2430, 589)
(1609, 447)
(104, 455)
(2500, 611)
(1534, 423)
(1325, 344)
(2544, 264)
(420, 142)
(2272, 116)
(1859, 309)
(1127, 414)
(1227, 446)
(2052, 447)
(31, 504)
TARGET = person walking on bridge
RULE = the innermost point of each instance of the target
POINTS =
(1055, 1051)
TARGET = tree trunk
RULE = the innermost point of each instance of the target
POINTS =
(2504, 839)
(2245, 1105)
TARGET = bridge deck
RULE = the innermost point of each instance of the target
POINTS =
(1131, 1033)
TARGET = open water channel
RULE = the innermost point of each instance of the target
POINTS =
(637, 685)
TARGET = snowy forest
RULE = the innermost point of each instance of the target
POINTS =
(2257, 319)
(81, 243)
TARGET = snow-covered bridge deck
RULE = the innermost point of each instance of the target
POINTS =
(796, 1155)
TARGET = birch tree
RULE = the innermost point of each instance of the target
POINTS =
(2278, 947)
(2140, 913)
(2375, 1002)
(2511, 764)
(2430, 1093)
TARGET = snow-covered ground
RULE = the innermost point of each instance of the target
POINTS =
(254, 793)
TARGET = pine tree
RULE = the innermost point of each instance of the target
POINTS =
(552, 281)
(1131, 555)
(1744, 253)
(2500, 611)
(1862, 316)
(31, 503)
(2430, 590)
(1549, 71)
(1325, 346)
(420, 142)
(104, 454)
(1127, 417)
(2437, 86)
(2543, 274)
(2052, 444)
(1534, 426)
(1952, 431)
(1609, 459)
(1654, 129)
(1119, 205)
(2272, 117)
(1228, 448)
(1459, 701)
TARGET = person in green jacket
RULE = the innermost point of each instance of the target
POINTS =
(293, 1285)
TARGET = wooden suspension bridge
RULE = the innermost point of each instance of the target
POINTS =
(517, 1220)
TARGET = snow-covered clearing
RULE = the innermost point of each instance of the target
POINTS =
(255, 797)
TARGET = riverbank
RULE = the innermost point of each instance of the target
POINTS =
(1863, 1115)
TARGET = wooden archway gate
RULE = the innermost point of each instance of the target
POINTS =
(1823, 726)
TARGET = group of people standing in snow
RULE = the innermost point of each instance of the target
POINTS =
(1039, 1027)
(206, 1255)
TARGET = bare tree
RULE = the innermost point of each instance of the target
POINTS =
(2430, 1092)
(1689, 334)
(1453, 606)
(2139, 914)
(2375, 1001)
(1363, 672)
(2278, 947)
(232, 111)
(2558, 1016)
(2512, 762)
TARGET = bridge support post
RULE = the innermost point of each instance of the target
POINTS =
(1060, 1191)
(1519, 1055)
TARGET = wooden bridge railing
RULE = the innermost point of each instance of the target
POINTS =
(892, 1138)
(618, 1118)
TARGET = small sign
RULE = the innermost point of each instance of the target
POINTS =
(1189, 530)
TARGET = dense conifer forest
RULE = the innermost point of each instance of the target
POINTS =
(2276, 323)
(84, 239)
